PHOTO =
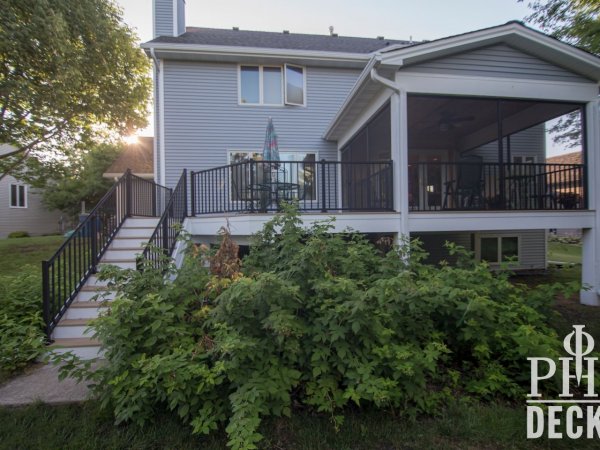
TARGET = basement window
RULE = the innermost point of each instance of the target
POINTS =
(497, 249)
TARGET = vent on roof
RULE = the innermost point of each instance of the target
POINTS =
(380, 38)
(236, 28)
(286, 31)
(334, 35)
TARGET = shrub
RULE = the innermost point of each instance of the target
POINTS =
(315, 319)
(18, 234)
(20, 321)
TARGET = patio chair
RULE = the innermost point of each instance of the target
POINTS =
(466, 191)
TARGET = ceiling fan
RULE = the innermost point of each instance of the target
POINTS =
(448, 121)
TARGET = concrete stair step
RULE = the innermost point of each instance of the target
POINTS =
(73, 328)
(84, 348)
(128, 243)
(85, 310)
(142, 233)
(122, 254)
(93, 281)
(123, 264)
(96, 288)
(141, 222)
(95, 296)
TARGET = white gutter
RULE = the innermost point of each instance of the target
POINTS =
(384, 81)
(221, 50)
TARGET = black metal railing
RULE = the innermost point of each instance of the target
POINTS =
(162, 242)
(65, 273)
(261, 186)
(435, 186)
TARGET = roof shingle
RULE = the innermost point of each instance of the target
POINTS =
(567, 158)
(269, 39)
(137, 157)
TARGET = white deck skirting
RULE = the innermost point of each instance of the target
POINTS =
(244, 225)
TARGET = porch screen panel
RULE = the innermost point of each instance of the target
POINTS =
(365, 185)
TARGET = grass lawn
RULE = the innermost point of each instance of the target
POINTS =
(476, 426)
(567, 253)
(85, 427)
(20, 252)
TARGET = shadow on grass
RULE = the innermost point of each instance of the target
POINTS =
(85, 426)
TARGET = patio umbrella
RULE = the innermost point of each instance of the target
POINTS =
(270, 148)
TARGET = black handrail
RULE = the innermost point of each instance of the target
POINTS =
(65, 272)
(162, 242)
(480, 186)
(261, 186)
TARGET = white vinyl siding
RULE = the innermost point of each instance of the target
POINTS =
(532, 246)
(203, 118)
(499, 61)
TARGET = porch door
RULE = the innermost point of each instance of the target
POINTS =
(427, 179)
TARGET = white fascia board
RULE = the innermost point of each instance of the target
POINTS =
(235, 52)
(249, 224)
(514, 34)
(524, 88)
(360, 84)
(499, 220)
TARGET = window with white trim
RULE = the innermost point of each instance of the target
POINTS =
(294, 85)
(272, 85)
(524, 159)
(497, 249)
(297, 169)
(18, 196)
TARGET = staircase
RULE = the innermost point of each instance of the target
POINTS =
(72, 333)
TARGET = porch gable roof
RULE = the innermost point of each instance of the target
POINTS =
(514, 34)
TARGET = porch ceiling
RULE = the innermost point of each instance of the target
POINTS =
(464, 123)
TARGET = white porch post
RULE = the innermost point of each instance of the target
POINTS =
(590, 258)
(399, 151)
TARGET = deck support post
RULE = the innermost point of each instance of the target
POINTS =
(399, 147)
(590, 258)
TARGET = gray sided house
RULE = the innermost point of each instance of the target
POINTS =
(442, 140)
(21, 208)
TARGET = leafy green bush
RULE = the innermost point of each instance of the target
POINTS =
(20, 321)
(18, 234)
(315, 319)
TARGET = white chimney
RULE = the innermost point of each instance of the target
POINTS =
(168, 17)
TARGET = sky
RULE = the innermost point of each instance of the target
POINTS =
(393, 19)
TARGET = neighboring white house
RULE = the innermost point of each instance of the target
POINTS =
(21, 208)
(443, 140)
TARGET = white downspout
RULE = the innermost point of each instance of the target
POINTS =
(159, 156)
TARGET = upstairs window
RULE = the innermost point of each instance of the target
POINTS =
(18, 196)
(271, 85)
(294, 85)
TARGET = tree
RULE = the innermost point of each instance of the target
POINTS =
(70, 72)
(80, 180)
(576, 22)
